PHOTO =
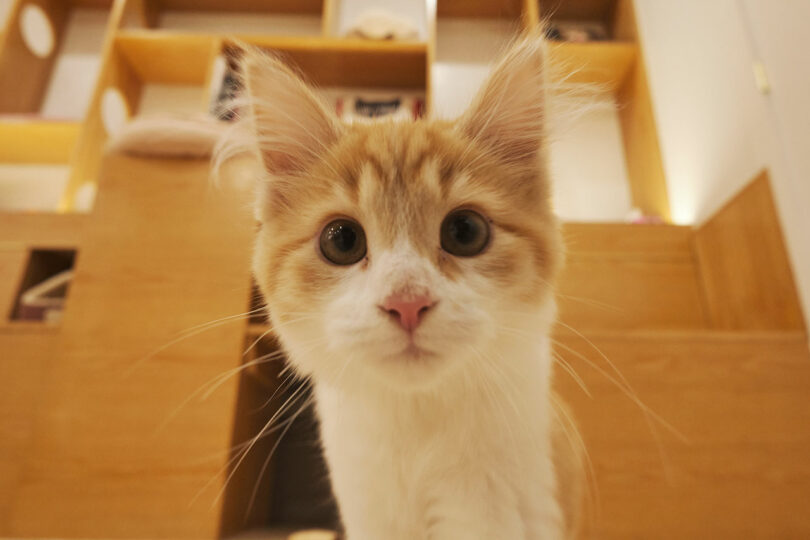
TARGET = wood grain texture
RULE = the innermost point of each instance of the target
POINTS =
(348, 62)
(158, 58)
(745, 267)
(583, 10)
(145, 13)
(740, 400)
(163, 252)
(41, 230)
(37, 142)
(606, 65)
(274, 6)
(510, 9)
(620, 276)
(26, 353)
(13, 258)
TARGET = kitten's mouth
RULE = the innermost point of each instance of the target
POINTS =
(413, 352)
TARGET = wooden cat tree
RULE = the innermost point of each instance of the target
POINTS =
(93, 441)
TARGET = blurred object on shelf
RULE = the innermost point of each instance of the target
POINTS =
(577, 31)
(379, 24)
(368, 108)
(44, 302)
(222, 103)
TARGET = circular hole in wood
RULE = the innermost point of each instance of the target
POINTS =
(37, 31)
(114, 111)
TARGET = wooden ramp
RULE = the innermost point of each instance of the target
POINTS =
(738, 466)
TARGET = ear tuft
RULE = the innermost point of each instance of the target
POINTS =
(508, 114)
(293, 126)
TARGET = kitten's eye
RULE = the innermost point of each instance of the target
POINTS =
(465, 233)
(343, 242)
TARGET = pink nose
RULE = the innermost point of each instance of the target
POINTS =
(407, 309)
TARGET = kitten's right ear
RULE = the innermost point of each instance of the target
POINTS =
(293, 126)
(508, 114)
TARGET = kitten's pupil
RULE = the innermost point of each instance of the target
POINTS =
(343, 237)
(464, 230)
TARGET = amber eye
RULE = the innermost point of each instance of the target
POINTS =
(343, 242)
(465, 233)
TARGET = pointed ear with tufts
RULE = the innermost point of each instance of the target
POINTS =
(293, 126)
(508, 114)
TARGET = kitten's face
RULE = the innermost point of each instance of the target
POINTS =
(401, 251)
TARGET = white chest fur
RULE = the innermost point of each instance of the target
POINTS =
(469, 460)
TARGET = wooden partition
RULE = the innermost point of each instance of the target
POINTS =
(746, 271)
(112, 455)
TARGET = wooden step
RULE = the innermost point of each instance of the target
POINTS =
(740, 400)
(622, 276)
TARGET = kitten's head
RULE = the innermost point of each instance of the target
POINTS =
(402, 252)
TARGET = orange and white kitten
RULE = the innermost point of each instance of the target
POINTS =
(408, 270)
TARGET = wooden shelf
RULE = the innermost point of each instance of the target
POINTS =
(167, 57)
(38, 141)
(605, 64)
(353, 62)
(311, 7)
(480, 8)
(46, 84)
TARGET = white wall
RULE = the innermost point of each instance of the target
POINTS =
(5, 8)
(716, 129)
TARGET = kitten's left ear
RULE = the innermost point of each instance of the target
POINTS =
(293, 126)
(508, 114)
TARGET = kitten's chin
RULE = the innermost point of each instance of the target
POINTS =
(411, 368)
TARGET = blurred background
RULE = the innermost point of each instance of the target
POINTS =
(137, 366)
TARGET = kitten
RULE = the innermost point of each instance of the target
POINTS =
(408, 269)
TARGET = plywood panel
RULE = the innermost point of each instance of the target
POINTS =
(45, 230)
(163, 252)
(741, 401)
(12, 265)
(154, 58)
(276, 6)
(37, 142)
(353, 62)
(744, 264)
(588, 10)
(26, 351)
(23, 75)
(645, 169)
(605, 65)
(629, 276)
(479, 8)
